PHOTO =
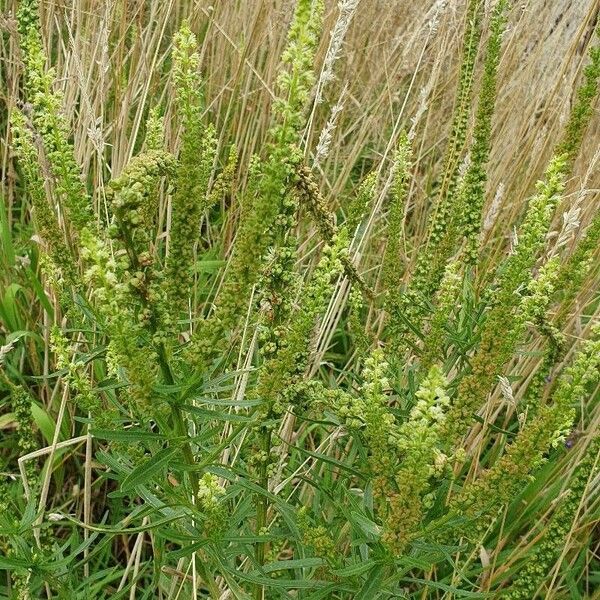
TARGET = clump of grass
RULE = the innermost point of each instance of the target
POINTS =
(243, 387)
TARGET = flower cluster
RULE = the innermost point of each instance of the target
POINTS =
(49, 121)
(289, 354)
(209, 499)
(419, 444)
(472, 193)
(197, 155)
(316, 536)
(44, 215)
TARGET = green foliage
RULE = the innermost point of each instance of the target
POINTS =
(245, 393)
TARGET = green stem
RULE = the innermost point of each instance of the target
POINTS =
(188, 455)
(262, 504)
(179, 423)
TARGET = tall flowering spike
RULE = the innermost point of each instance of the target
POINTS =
(402, 458)
(391, 272)
(130, 358)
(276, 204)
(295, 85)
(361, 203)
(544, 555)
(583, 109)
(473, 190)
(505, 323)
(310, 196)
(77, 378)
(369, 416)
(464, 210)
(434, 347)
(187, 82)
(44, 215)
(49, 120)
(516, 270)
(411, 306)
(540, 292)
(566, 276)
(535, 309)
(196, 159)
(211, 335)
(577, 267)
(367, 413)
(286, 341)
(133, 201)
(441, 217)
(155, 130)
(418, 443)
(495, 487)
(356, 326)
(460, 119)
(379, 427)
(272, 209)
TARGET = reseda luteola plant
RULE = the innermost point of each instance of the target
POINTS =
(257, 464)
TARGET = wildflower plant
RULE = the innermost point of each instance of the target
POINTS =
(230, 368)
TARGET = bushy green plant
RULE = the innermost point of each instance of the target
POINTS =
(221, 434)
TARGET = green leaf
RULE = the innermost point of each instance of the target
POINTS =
(371, 587)
(13, 563)
(46, 423)
(145, 472)
(300, 563)
(126, 435)
(356, 569)
(40, 293)
(216, 414)
(5, 238)
(9, 309)
(368, 527)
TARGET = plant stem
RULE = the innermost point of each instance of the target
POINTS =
(262, 503)
(178, 421)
